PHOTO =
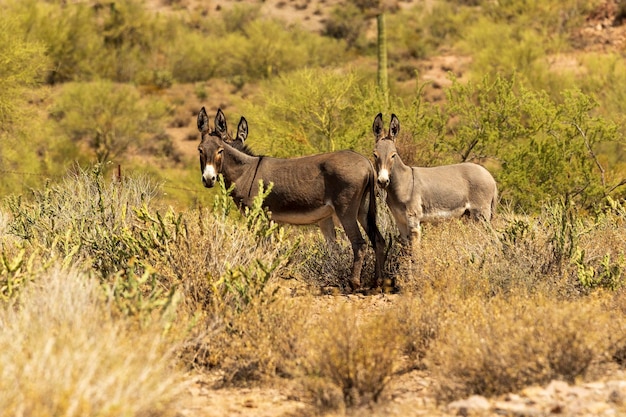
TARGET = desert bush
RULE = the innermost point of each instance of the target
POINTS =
(67, 33)
(214, 267)
(556, 17)
(326, 266)
(508, 343)
(420, 317)
(87, 222)
(264, 342)
(109, 119)
(349, 23)
(221, 262)
(545, 148)
(314, 110)
(603, 78)
(357, 357)
(420, 31)
(251, 57)
(24, 63)
(112, 41)
(63, 353)
(144, 256)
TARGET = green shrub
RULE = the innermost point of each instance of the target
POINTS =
(251, 56)
(545, 148)
(348, 23)
(110, 119)
(23, 63)
(84, 218)
(314, 110)
(420, 31)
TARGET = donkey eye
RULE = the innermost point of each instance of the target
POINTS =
(200, 150)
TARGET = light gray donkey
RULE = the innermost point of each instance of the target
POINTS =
(416, 194)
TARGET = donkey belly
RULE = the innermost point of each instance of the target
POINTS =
(309, 216)
(435, 214)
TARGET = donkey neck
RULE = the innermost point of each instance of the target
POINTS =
(401, 177)
(240, 169)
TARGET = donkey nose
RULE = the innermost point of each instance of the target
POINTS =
(383, 178)
(209, 176)
(208, 180)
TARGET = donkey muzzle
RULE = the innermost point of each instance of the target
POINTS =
(209, 176)
(383, 178)
(208, 182)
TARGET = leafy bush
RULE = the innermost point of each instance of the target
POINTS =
(109, 119)
(545, 148)
(314, 110)
(83, 220)
(420, 31)
(23, 64)
(348, 23)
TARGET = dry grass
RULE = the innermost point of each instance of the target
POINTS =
(63, 354)
(484, 309)
(509, 343)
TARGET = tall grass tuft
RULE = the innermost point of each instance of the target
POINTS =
(62, 353)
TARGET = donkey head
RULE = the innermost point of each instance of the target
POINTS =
(385, 152)
(212, 145)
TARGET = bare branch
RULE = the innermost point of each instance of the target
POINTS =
(592, 153)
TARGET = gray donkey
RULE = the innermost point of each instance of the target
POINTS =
(306, 190)
(416, 194)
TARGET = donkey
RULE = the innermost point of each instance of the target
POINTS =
(416, 194)
(306, 190)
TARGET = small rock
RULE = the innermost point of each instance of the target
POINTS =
(557, 387)
(596, 408)
(516, 409)
(472, 405)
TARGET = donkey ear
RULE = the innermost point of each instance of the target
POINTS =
(242, 130)
(220, 122)
(394, 127)
(203, 121)
(378, 128)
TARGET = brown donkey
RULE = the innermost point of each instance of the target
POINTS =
(416, 195)
(306, 190)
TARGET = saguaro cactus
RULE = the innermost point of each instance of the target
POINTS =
(383, 83)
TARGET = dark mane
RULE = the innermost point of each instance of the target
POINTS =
(242, 147)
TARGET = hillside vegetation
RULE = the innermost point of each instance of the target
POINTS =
(120, 274)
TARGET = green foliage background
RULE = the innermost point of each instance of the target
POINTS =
(89, 83)
(89, 86)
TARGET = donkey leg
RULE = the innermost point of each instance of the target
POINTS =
(416, 237)
(359, 247)
(379, 245)
(327, 226)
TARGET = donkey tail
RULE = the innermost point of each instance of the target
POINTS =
(372, 212)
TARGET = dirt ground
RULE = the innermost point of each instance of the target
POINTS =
(409, 394)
